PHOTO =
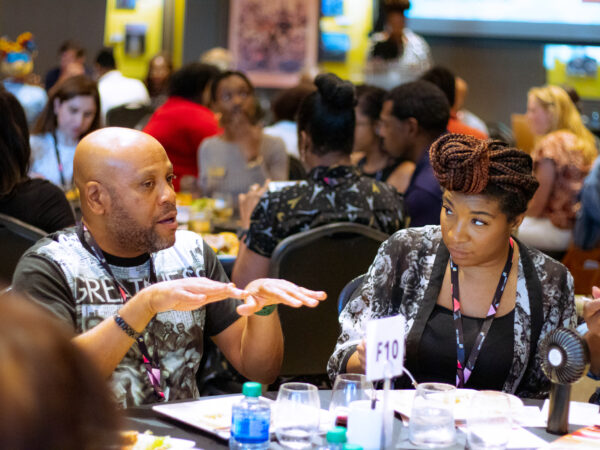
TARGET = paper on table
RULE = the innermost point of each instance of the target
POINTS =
(519, 438)
(579, 413)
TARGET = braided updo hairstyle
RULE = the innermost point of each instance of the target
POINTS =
(327, 115)
(472, 166)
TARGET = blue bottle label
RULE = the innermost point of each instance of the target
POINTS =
(250, 430)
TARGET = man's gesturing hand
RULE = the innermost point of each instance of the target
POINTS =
(188, 294)
(267, 291)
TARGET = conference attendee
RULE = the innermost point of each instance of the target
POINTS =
(376, 162)
(160, 69)
(53, 397)
(334, 190)
(478, 303)
(413, 116)
(16, 68)
(184, 121)
(72, 111)
(71, 63)
(285, 108)
(446, 81)
(586, 231)
(31, 200)
(464, 115)
(127, 264)
(398, 55)
(243, 154)
(115, 88)
(562, 157)
(591, 331)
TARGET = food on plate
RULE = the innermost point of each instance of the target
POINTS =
(224, 243)
(132, 440)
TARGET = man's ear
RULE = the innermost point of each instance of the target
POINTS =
(97, 197)
(412, 126)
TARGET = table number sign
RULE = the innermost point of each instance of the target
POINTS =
(385, 348)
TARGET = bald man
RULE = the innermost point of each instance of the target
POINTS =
(128, 264)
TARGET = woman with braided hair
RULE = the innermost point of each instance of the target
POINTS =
(477, 302)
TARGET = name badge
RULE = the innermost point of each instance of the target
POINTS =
(216, 172)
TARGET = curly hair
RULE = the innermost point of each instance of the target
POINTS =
(473, 166)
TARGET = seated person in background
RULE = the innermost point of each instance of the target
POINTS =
(285, 107)
(184, 121)
(52, 395)
(462, 114)
(510, 297)
(413, 116)
(397, 55)
(446, 81)
(334, 190)
(116, 89)
(72, 111)
(31, 200)
(160, 70)
(118, 277)
(562, 157)
(376, 163)
(586, 233)
(72, 60)
(243, 155)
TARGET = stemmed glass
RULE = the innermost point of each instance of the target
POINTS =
(348, 387)
(296, 418)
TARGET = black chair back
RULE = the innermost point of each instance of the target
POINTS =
(325, 258)
(348, 291)
(15, 238)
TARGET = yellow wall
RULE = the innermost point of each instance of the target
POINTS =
(586, 87)
(178, 32)
(357, 23)
(148, 12)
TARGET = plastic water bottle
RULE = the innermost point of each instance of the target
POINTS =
(336, 438)
(250, 419)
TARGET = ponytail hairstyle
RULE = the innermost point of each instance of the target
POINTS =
(327, 115)
(473, 166)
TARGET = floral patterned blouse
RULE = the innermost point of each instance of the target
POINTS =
(406, 277)
(561, 148)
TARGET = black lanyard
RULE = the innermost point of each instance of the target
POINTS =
(61, 170)
(151, 364)
(463, 372)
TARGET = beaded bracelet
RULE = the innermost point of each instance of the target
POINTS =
(266, 310)
(126, 328)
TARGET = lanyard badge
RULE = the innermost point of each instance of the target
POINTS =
(151, 364)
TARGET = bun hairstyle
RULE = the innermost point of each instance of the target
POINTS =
(327, 115)
(472, 166)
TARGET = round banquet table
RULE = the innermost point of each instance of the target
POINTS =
(144, 418)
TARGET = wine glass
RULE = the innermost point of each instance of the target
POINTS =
(348, 387)
(489, 421)
(296, 418)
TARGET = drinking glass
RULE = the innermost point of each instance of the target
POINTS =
(432, 416)
(348, 387)
(297, 411)
(489, 421)
(223, 209)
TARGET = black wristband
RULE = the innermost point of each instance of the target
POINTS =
(126, 328)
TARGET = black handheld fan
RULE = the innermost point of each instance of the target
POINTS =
(565, 359)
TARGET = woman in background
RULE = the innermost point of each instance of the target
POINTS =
(376, 163)
(562, 157)
(72, 111)
(32, 200)
(160, 69)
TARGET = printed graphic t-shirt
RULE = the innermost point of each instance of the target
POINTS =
(62, 275)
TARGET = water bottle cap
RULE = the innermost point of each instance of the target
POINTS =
(352, 447)
(337, 435)
(252, 389)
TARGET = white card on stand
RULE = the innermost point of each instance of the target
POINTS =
(385, 348)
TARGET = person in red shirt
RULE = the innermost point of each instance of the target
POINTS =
(446, 81)
(183, 121)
